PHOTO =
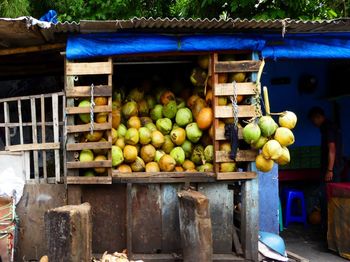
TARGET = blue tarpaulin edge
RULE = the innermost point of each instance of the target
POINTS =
(298, 46)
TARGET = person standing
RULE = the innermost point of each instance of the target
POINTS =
(332, 162)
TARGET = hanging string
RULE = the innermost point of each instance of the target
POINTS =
(92, 106)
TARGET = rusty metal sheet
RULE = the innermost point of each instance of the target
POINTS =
(170, 219)
(146, 218)
(36, 200)
(108, 204)
(221, 211)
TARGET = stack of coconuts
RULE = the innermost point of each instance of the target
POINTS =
(155, 131)
(264, 133)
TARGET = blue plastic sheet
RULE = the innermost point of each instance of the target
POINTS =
(270, 46)
(50, 16)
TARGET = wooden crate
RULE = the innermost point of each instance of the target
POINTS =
(87, 70)
(246, 111)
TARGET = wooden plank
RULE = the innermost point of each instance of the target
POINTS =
(82, 110)
(235, 175)
(32, 49)
(236, 242)
(64, 137)
(237, 66)
(89, 68)
(226, 89)
(31, 147)
(162, 174)
(164, 180)
(35, 138)
(213, 61)
(86, 127)
(89, 145)
(79, 180)
(92, 164)
(19, 107)
(244, 111)
(242, 156)
(84, 91)
(170, 219)
(221, 213)
(177, 257)
(27, 124)
(250, 219)
(220, 134)
(74, 195)
(7, 120)
(146, 218)
(129, 219)
(56, 135)
(43, 134)
(109, 132)
(28, 97)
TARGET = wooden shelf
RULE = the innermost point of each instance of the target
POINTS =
(85, 91)
(89, 145)
(236, 175)
(244, 111)
(86, 127)
(226, 89)
(220, 133)
(89, 68)
(237, 66)
(92, 164)
(242, 156)
(82, 180)
(86, 110)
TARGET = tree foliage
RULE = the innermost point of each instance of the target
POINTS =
(124, 9)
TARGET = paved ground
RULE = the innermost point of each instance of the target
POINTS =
(309, 244)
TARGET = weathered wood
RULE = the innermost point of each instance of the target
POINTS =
(242, 156)
(177, 257)
(129, 219)
(89, 145)
(19, 107)
(31, 49)
(236, 242)
(16, 98)
(7, 120)
(74, 195)
(82, 110)
(170, 219)
(162, 174)
(220, 134)
(56, 135)
(237, 66)
(221, 213)
(235, 175)
(30, 147)
(244, 111)
(69, 233)
(146, 219)
(24, 124)
(109, 132)
(195, 226)
(92, 164)
(85, 91)
(35, 138)
(226, 89)
(80, 180)
(213, 61)
(250, 219)
(89, 68)
(166, 180)
(86, 127)
(43, 133)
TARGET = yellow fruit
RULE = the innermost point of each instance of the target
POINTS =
(284, 136)
(272, 150)
(130, 153)
(120, 142)
(114, 133)
(284, 159)
(152, 167)
(262, 164)
(227, 167)
(288, 119)
(148, 152)
(179, 169)
(101, 117)
(238, 77)
(100, 101)
(188, 164)
(124, 168)
(100, 170)
(157, 139)
(134, 122)
(167, 163)
(94, 137)
(225, 146)
(222, 78)
(138, 165)
(205, 118)
(222, 101)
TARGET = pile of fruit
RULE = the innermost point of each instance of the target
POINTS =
(264, 133)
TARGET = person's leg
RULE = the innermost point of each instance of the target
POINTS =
(324, 207)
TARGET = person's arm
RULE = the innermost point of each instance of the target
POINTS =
(331, 159)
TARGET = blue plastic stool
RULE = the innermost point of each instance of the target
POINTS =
(293, 213)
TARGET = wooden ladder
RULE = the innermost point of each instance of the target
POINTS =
(226, 111)
(73, 129)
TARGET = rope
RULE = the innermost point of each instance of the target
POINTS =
(7, 216)
(234, 104)
(92, 105)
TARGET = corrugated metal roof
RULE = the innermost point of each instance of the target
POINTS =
(205, 25)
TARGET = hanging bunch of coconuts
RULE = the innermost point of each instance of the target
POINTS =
(270, 138)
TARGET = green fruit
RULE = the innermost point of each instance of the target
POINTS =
(267, 125)
(145, 135)
(168, 144)
(132, 136)
(164, 125)
(138, 165)
(197, 156)
(86, 155)
(209, 153)
(170, 109)
(151, 101)
(85, 118)
(193, 132)
(122, 130)
(152, 127)
(129, 109)
(117, 156)
(207, 167)
(251, 133)
(159, 154)
(183, 116)
(178, 154)
(157, 112)
(89, 173)
(260, 143)
(187, 147)
(181, 103)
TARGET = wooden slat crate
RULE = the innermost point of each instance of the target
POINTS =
(86, 70)
(223, 112)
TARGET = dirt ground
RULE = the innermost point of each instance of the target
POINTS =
(309, 243)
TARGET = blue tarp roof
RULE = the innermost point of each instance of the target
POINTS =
(271, 46)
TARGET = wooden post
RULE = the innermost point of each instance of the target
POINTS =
(195, 226)
(69, 233)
